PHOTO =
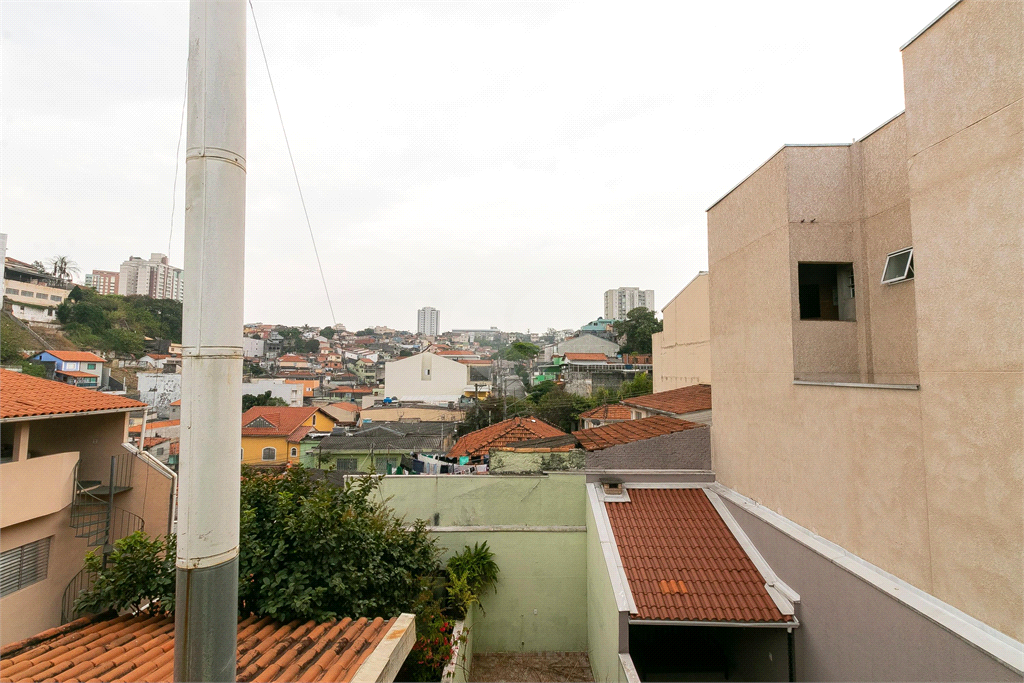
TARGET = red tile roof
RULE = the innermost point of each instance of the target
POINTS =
(586, 356)
(175, 448)
(176, 403)
(683, 563)
(479, 443)
(612, 411)
(675, 401)
(473, 361)
(292, 358)
(137, 429)
(629, 431)
(73, 356)
(75, 373)
(141, 648)
(282, 421)
(154, 441)
(350, 407)
(156, 356)
(22, 395)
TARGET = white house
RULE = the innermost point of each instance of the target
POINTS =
(584, 343)
(278, 388)
(426, 377)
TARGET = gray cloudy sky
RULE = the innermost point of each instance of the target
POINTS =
(505, 162)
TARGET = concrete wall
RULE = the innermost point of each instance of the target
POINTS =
(540, 603)
(425, 377)
(686, 450)
(682, 350)
(919, 483)
(852, 631)
(159, 390)
(602, 611)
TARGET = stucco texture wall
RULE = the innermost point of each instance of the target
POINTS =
(682, 350)
(926, 484)
(425, 377)
(540, 602)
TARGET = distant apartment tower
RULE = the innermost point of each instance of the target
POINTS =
(103, 281)
(428, 321)
(154, 278)
(619, 302)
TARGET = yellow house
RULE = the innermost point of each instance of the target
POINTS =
(272, 434)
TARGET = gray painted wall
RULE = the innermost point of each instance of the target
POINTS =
(687, 450)
(851, 631)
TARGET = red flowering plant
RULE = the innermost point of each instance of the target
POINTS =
(433, 647)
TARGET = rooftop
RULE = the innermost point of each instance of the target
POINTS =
(137, 429)
(675, 401)
(25, 396)
(548, 444)
(618, 433)
(141, 648)
(480, 442)
(277, 421)
(76, 356)
(591, 357)
(612, 411)
(683, 563)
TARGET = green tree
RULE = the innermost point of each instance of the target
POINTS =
(638, 386)
(309, 345)
(563, 409)
(140, 570)
(327, 333)
(636, 330)
(367, 332)
(264, 399)
(313, 550)
(519, 351)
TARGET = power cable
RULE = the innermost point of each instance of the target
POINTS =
(305, 211)
(177, 162)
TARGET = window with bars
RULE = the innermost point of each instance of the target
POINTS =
(270, 453)
(346, 464)
(22, 566)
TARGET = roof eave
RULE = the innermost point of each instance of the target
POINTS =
(735, 624)
(77, 413)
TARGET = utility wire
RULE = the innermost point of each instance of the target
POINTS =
(177, 161)
(252, 10)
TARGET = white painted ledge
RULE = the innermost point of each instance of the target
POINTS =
(858, 385)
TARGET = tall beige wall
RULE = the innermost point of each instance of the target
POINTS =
(425, 377)
(927, 484)
(682, 350)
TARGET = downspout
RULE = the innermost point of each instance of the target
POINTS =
(206, 618)
(792, 653)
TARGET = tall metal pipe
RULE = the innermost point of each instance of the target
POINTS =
(206, 601)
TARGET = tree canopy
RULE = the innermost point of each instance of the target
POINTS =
(264, 399)
(111, 322)
(519, 351)
(327, 333)
(636, 330)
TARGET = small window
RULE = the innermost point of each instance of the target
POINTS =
(826, 291)
(382, 464)
(270, 453)
(295, 452)
(55, 297)
(899, 266)
(22, 566)
(41, 295)
(346, 464)
(91, 366)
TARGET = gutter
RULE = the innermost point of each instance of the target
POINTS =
(78, 413)
(735, 624)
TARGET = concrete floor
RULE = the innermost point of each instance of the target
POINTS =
(542, 667)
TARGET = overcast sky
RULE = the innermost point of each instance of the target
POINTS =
(505, 162)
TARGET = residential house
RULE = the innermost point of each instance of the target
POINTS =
(603, 415)
(682, 350)
(293, 361)
(78, 368)
(350, 393)
(169, 429)
(254, 347)
(691, 403)
(476, 446)
(271, 434)
(164, 362)
(380, 446)
(57, 443)
(159, 390)
(648, 443)
(867, 345)
(365, 370)
(584, 343)
(602, 327)
(344, 414)
(585, 373)
(291, 393)
(459, 354)
(386, 410)
(174, 410)
(427, 377)
(33, 293)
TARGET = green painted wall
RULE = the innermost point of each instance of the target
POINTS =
(602, 612)
(540, 602)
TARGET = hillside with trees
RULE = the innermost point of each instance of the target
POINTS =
(109, 322)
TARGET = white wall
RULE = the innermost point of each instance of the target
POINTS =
(426, 377)
(159, 390)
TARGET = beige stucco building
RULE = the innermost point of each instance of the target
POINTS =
(682, 350)
(887, 418)
(427, 377)
(57, 444)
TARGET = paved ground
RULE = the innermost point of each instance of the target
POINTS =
(541, 667)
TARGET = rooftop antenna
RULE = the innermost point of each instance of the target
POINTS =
(206, 614)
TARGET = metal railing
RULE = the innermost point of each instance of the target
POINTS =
(83, 581)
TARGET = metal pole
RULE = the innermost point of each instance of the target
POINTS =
(206, 618)
(108, 542)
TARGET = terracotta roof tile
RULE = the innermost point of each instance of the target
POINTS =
(682, 562)
(75, 373)
(587, 357)
(280, 421)
(73, 356)
(612, 411)
(675, 401)
(22, 395)
(141, 648)
(618, 433)
(479, 443)
(137, 429)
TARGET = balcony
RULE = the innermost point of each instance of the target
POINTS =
(36, 487)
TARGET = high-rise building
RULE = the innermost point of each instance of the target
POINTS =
(154, 278)
(428, 321)
(103, 281)
(619, 302)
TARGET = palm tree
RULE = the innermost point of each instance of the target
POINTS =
(63, 268)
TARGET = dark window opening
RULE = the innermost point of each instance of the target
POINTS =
(827, 291)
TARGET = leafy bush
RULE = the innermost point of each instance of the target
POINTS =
(470, 573)
(140, 570)
(312, 550)
(434, 643)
